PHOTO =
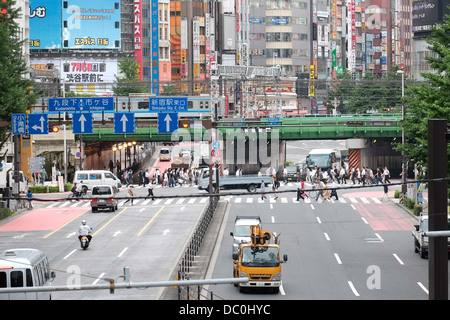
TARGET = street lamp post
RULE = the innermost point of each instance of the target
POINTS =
(404, 172)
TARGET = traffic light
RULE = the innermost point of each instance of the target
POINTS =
(53, 129)
(185, 123)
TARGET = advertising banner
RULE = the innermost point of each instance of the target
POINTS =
(45, 24)
(91, 24)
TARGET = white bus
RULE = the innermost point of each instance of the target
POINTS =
(324, 159)
(24, 268)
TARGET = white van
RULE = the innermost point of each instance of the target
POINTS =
(24, 268)
(93, 178)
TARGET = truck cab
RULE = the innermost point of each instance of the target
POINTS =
(260, 261)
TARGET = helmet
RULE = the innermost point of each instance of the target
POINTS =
(83, 222)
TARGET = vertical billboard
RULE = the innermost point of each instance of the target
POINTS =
(45, 24)
(137, 26)
(155, 47)
(91, 24)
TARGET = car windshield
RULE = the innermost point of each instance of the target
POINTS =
(242, 231)
(164, 151)
(101, 190)
(260, 257)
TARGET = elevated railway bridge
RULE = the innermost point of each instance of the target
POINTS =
(369, 137)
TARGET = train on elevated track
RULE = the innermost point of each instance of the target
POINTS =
(199, 107)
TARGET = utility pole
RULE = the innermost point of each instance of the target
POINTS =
(437, 209)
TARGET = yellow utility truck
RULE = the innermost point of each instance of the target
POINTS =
(259, 260)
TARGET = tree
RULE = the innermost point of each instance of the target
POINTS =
(129, 81)
(368, 93)
(16, 93)
(428, 100)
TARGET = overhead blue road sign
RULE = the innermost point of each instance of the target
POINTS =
(167, 122)
(19, 123)
(83, 123)
(81, 104)
(38, 123)
(124, 122)
(168, 104)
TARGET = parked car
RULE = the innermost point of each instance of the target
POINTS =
(103, 197)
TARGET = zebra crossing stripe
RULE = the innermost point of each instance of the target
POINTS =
(202, 200)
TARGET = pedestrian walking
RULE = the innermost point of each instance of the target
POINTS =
(30, 199)
(130, 194)
(320, 191)
(385, 191)
(333, 187)
(301, 190)
(150, 190)
(326, 193)
(386, 175)
(275, 185)
(263, 190)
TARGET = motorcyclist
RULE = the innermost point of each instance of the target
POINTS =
(84, 230)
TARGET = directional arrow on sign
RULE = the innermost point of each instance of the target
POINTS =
(167, 122)
(82, 121)
(167, 119)
(124, 120)
(41, 127)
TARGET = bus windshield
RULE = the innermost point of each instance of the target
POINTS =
(319, 160)
(260, 257)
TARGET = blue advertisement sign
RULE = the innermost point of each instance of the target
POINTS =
(91, 24)
(168, 104)
(81, 104)
(45, 24)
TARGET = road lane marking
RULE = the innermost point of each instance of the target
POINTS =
(365, 221)
(352, 287)
(423, 287)
(109, 221)
(98, 279)
(151, 220)
(337, 258)
(398, 259)
(122, 252)
(326, 236)
(353, 207)
(283, 293)
(273, 219)
(312, 207)
(65, 224)
(318, 220)
(69, 254)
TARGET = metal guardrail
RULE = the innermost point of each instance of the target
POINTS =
(190, 252)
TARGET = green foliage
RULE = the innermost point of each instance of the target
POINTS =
(129, 81)
(369, 93)
(430, 100)
(5, 212)
(15, 93)
(49, 189)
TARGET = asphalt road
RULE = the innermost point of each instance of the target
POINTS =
(356, 248)
(147, 237)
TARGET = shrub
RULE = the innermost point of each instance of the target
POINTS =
(5, 212)
(417, 209)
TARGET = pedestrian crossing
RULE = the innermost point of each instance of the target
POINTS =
(231, 199)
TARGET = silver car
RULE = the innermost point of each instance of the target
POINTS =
(103, 197)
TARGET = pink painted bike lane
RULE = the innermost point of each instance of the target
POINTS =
(43, 219)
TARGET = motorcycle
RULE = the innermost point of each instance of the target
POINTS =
(84, 242)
